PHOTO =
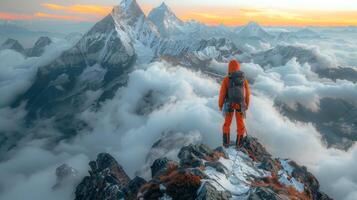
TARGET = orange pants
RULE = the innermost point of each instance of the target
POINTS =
(239, 120)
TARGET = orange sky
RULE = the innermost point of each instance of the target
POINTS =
(271, 17)
(212, 15)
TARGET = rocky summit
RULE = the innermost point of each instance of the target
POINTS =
(201, 173)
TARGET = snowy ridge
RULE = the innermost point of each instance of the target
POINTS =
(202, 173)
(241, 170)
(166, 21)
(132, 25)
(285, 176)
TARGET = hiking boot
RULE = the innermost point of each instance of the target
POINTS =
(239, 142)
(226, 140)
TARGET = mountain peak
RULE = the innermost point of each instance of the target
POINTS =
(128, 11)
(253, 29)
(252, 23)
(126, 3)
(203, 173)
(163, 6)
(165, 19)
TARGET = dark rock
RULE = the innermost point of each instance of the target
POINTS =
(107, 180)
(312, 185)
(159, 165)
(65, 173)
(192, 155)
(258, 153)
(13, 45)
(106, 162)
(39, 47)
(133, 187)
(263, 193)
(208, 192)
(153, 191)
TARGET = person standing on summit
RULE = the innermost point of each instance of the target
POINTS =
(234, 99)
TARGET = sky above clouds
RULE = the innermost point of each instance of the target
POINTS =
(228, 12)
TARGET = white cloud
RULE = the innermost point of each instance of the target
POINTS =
(173, 102)
(18, 72)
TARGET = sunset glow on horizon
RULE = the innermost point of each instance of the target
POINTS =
(229, 12)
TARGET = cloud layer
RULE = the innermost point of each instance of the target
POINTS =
(178, 106)
(18, 72)
(161, 101)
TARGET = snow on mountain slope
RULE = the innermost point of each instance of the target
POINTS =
(165, 20)
(282, 54)
(132, 24)
(109, 47)
(200, 53)
(201, 173)
(59, 86)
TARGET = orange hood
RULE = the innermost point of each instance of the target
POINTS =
(233, 66)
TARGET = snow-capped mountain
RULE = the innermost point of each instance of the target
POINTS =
(100, 60)
(166, 21)
(132, 25)
(254, 30)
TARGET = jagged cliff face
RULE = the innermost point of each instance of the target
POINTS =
(166, 21)
(66, 80)
(202, 173)
(39, 47)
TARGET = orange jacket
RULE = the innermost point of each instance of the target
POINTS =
(233, 66)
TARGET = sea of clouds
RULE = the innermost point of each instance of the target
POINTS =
(18, 72)
(180, 107)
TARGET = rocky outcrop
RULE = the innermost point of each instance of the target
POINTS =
(65, 174)
(13, 45)
(106, 180)
(248, 172)
(39, 47)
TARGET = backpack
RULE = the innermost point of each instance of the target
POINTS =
(236, 89)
